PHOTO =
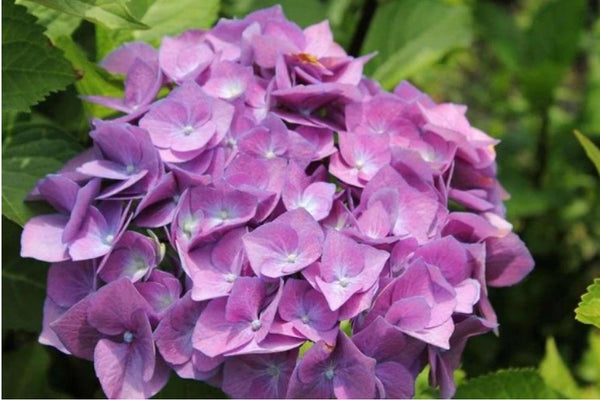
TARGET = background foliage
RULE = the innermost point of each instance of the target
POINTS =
(528, 69)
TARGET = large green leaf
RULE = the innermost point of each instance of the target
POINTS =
(589, 368)
(31, 67)
(591, 117)
(163, 17)
(505, 384)
(551, 44)
(94, 80)
(31, 152)
(167, 17)
(56, 22)
(590, 149)
(25, 373)
(555, 373)
(500, 31)
(409, 35)
(113, 14)
(588, 310)
(23, 284)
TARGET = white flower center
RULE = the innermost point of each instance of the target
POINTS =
(224, 214)
(230, 277)
(109, 238)
(187, 130)
(329, 373)
(291, 258)
(343, 282)
(128, 337)
(256, 325)
(270, 154)
(130, 169)
(305, 318)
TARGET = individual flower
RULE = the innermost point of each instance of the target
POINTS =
(284, 246)
(184, 124)
(326, 372)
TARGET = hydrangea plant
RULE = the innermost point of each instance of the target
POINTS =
(265, 218)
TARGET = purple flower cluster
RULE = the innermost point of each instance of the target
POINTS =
(265, 218)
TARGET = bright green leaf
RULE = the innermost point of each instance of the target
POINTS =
(163, 17)
(303, 13)
(56, 22)
(590, 149)
(25, 373)
(31, 67)
(167, 17)
(589, 368)
(94, 80)
(113, 14)
(409, 35)
(555, 373)
(505, 384)
(27, 156)
(588, 310)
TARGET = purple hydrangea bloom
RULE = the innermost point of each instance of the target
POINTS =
(302, 239)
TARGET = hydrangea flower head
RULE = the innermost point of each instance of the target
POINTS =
(264, 218)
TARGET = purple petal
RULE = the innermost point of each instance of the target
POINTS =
(42, 238)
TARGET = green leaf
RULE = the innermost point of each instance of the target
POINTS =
(591, 117)
(113, 14)
(588, 310)
(500, 32)
(189, 389)
(589, 368)
(94, 81)
(505, 384)
(551, 44)
(25, 373)
(555, 373)
(23, 284)
(56, 22)
(592, 152)
(28, 155)
(31, 67)
(162, 17)
(303, 13)
(410, 35)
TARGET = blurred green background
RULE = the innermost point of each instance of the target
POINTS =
(529, 70)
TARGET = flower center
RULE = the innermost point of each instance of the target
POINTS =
(130, 169)
(329, 373)
(343, 282)
(224, 214)
(230, 277)
(128, 337)
(270, 154)
(256, 325)
(291, 258)
(308, 58)
(305, 318)
(187, 130)
(109, 239)
(273, 371)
